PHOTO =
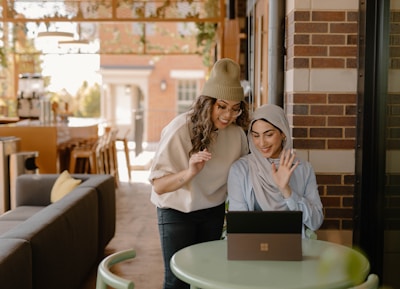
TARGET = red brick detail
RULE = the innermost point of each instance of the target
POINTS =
(350, 110)
(309, 120)
(348, 202)
(328, 63)
(338, 213)
(343, 51)
(301, 63)
(327, 110)
(302, 16)
(329, 179)
(331, 201)
(350, 132)
(341, 144)
(328, 16)
(351, 63)
(349, 179)
(310, 51)
(301, 39)
(310, 28)
(341, 121)
(343, 28)
(352, 39)
(330, 39)
(300, 132)
(326, 132)
(309, 144)
(342, 98)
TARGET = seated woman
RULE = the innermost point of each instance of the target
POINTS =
(271, 177)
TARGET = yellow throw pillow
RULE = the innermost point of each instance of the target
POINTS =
(63, 185)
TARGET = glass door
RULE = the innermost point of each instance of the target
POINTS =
(391, 237)
(377, 183)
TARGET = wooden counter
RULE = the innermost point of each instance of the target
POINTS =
(46, 138)
(6, 119)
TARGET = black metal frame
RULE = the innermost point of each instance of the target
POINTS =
(371, 123)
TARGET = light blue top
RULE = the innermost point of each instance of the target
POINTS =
(305, 195)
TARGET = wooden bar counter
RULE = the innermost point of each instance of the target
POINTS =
(46, 138)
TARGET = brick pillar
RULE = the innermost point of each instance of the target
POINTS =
(321, 97)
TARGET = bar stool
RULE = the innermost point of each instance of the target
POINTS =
(109, 153)
(83, 157)
(124, 141)
(64, 154)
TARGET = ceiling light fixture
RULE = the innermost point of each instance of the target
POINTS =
(73, 43)
(56, 35)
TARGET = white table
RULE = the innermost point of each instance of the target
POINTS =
(325, 265)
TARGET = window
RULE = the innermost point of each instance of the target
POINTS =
(187, 92)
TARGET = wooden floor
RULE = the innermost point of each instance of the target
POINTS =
(136, 228)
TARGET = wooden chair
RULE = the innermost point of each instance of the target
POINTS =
(106, 278)
(372, 282)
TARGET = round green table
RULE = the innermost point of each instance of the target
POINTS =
(325, 265)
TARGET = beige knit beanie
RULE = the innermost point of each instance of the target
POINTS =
(224, 81)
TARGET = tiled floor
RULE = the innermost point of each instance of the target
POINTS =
(139, 164)
(136, 228)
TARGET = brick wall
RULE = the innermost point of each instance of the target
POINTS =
(320, 101)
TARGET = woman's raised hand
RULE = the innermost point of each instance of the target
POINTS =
(282, 175)
(198, 160)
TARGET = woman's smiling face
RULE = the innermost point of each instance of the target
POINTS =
(267, 138)
(225, 112)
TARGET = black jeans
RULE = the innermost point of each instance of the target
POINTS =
(179, 230)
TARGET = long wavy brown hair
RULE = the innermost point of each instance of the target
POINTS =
(203, 131)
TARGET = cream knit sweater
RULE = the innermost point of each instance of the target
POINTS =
(208, 188)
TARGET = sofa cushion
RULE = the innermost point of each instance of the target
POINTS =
(21, 213)
(16, 264)
(14, 217)
(33, 190)
(63, 185)
(8, 225)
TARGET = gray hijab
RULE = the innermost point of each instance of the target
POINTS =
(267, 194)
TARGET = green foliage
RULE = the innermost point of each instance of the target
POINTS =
(88, 101)
(331, 260)
(3, 58)
(205, 41)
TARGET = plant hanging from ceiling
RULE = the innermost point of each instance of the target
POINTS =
(205, 41)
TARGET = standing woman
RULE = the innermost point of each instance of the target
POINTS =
(271, 177)
(190, 167)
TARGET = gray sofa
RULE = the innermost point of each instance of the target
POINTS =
(46, 245)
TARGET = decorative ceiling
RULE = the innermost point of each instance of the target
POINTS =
(114, 26)
(112, 10)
